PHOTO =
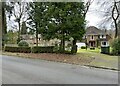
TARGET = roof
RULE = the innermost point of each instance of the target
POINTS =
(94, 30)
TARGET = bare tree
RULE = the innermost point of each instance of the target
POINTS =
(110, 14)
(87, 6)
(19, 12)
(115, 16)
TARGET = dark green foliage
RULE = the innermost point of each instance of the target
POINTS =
(92, 48)
(83, 47)
(44, 49)
(23, 29)
(11, 37)
(18, 49)
(58, 20)
(116, 47)
(36, 18)
(68, 22)
(56, 48)
(18, 40)
(23, 44)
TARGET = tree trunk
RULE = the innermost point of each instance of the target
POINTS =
(19, 38)
(4, 27)
(115, 17)
(36, 34)
(19, 29)
(116, 29)
(62, 44)
(74, 47)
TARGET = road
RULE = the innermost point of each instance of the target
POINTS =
(16, 70)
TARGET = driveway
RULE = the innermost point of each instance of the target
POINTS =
(16, 70)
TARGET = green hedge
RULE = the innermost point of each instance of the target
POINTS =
(18, 49)
(92, 48)
(83, 47)
(44, 49)
(39, 49)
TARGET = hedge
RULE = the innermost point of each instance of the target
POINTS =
(36, 49)
(18, 49)
(83, 47)
(92, 48)
(44, 49)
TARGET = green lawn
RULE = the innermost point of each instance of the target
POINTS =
(100, 59)
(97, 50)
(88, 50)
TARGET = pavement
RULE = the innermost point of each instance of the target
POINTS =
(34, 71)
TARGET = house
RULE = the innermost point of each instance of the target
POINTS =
(95, 37)
(31, 39)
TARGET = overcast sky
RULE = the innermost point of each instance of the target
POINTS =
(94, 16)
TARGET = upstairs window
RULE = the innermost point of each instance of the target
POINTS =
(102, 36)
(92, 37)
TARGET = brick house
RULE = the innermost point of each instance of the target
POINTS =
(95, 37)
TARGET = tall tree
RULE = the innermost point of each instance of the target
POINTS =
(19, 11)
(87, 6)
(110, 13)
(5, 9)
(4, 27)
(65, 20)
(36, 15)
(115, 17)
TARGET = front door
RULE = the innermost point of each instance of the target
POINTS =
(92, 44)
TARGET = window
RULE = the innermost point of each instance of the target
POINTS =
(99, 36)
(103, 43)
(92, 37)
(102, 36)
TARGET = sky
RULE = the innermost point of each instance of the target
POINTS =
(94, 15)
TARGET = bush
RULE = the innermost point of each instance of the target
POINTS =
(56, 48)
(18, 49)
(83, 47)
(116, 47)
(92, 48)
(23, 44)
(44, 49)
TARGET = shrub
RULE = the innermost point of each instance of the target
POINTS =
(43, 49)
(92, 48)
(18, 49)
(116, 47)
(83, 47)
(23, 44)
(56, 48)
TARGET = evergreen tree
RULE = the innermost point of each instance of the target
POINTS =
(65, 20)
(36, 17)
(23, 29)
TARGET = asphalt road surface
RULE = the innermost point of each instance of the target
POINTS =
(16, 70)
